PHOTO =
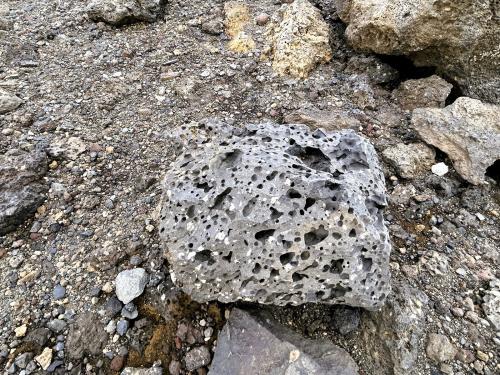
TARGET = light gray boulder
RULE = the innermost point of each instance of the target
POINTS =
(120, 12)
(253, 343)
(278, 214)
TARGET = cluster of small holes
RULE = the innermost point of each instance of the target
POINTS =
(279, 215)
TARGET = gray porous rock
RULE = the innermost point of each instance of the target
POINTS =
(460, 38)
(467, 130)
(22, 188)
(253, 343)
(120, 12)
(278, 214)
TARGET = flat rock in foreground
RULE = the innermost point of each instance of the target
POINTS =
(279, 215)
(468, 131)
(255, 344)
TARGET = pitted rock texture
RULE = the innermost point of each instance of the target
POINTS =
(278, 214)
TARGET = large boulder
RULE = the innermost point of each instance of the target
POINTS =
(278, 214)
(459, 37)
(253, 343)
(22, 188)
(468, 131)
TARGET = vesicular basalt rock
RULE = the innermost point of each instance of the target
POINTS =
(278, 214)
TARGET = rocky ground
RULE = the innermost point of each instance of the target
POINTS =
(90, 114)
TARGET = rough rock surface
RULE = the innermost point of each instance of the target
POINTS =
(278, 214)
(419, 93)
(439, 348)
(410, 161)
(8, 102)
(328, 120)
(130, 284)
(86, 336)
(491, 305)
(393, 336)
(236, 22)
(460, 38)
(467, 130)
(120, 12)
(155, 370)
(300, 41)
(22, 189)
(255, 344)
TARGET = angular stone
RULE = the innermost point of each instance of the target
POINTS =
(236, 22)
(410, 161)
(130, 284)
(255, 344)
(468, 131)
(197, 357)
(300, 41)
(120, 12)
(86, 336)
(491, 305)
(22, 189)
(45, 358)
(328, 120)
(393, 336)
(459, 37)
(439, 348)
(422, 93)
(155, 370)
(8, 102)
(278, 214)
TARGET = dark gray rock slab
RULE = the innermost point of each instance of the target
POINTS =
(22, 188)
(252, 343)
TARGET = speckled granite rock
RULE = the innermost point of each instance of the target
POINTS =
(278, 214)
(22, 188)
(253, 343)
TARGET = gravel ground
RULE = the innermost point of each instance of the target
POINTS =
(110, 98)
